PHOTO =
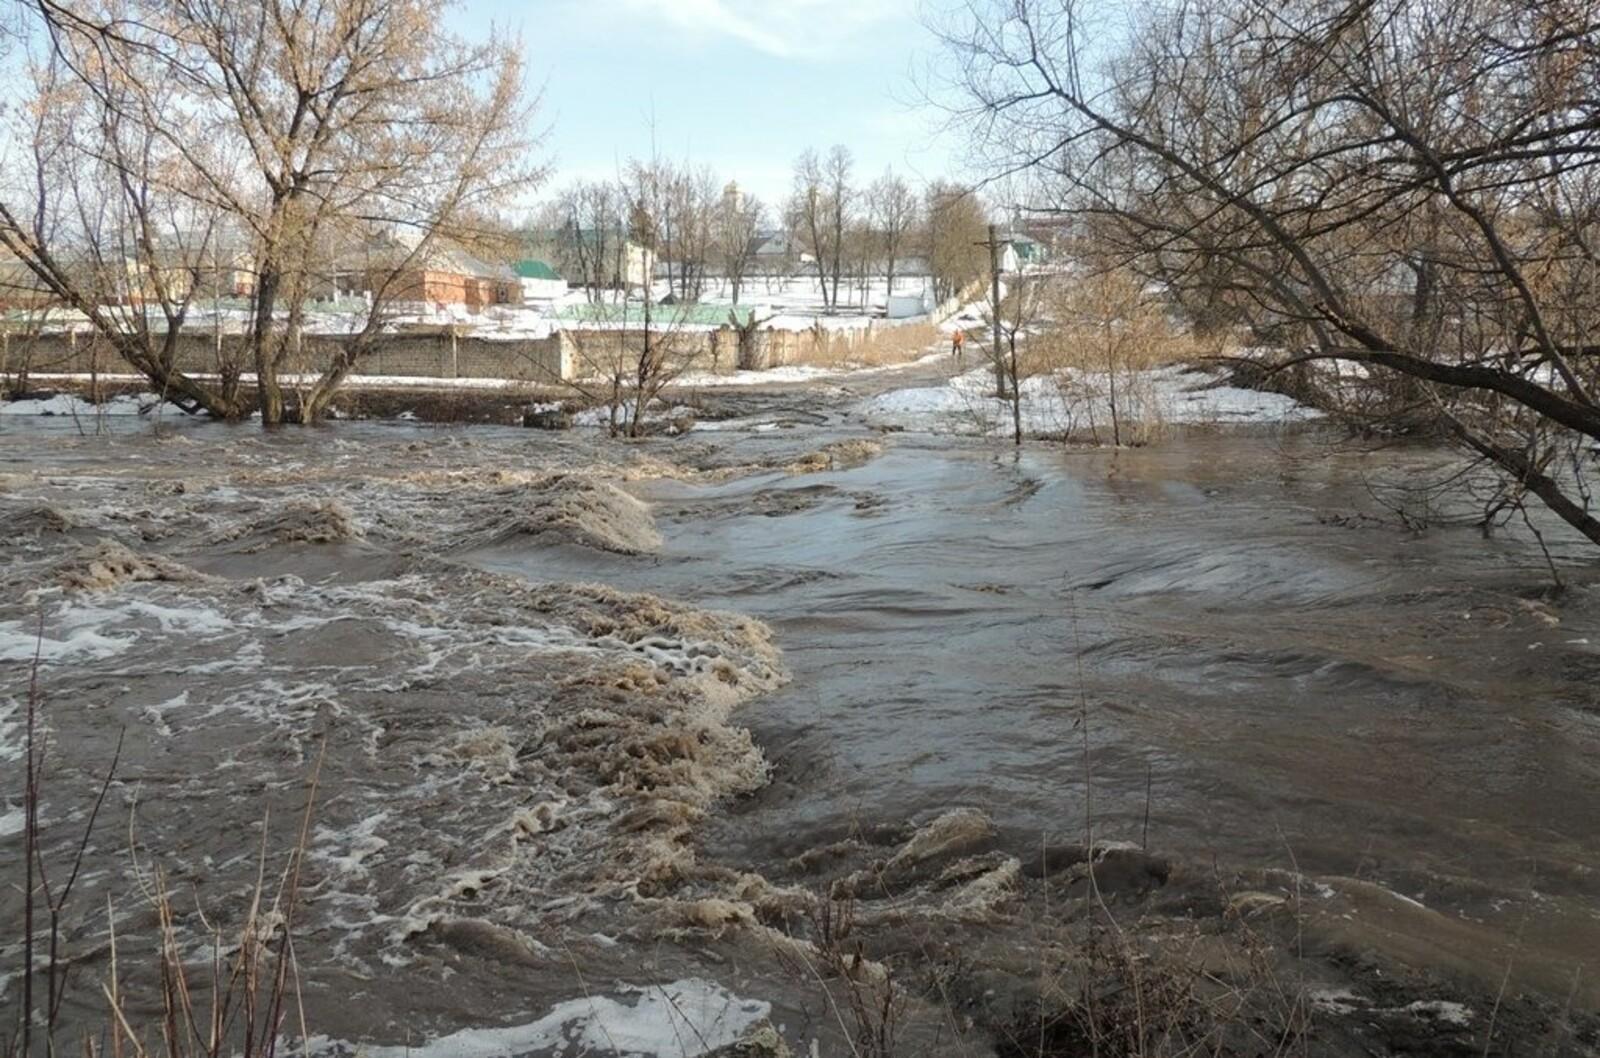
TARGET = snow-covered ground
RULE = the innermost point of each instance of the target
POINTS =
(1078, 402)
(1065, 403)
(798, 373)
(70, 405)
(798, 300)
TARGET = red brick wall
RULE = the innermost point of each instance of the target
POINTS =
(449, 288)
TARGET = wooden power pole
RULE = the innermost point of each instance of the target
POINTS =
(994, 279)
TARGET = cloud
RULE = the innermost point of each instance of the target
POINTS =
(783, 28)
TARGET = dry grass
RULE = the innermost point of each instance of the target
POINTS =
(1106, 333)
(1069, 977)
(877, 346)
(864, 997)
(1107, 992)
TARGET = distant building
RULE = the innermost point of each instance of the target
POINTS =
(776, 251)
(212, 265)
(540, 281)
(607, 258)
(442, 274)
(629, 268)
(1029, 251)
(907, 306)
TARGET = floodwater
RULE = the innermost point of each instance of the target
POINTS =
(1201, 648)
(1176, 646)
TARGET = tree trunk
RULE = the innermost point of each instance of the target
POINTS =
(269, 398)
(1016, 395)
(994, 278)
(1111, 374)
(822, 265)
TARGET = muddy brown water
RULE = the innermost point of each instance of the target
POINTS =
(1171, 646)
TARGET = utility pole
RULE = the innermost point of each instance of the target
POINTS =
(993, 244)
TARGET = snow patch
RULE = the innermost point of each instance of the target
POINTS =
(683, 1019)
(72, 406)
(1078, 402)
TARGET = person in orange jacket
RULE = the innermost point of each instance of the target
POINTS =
(956, 342)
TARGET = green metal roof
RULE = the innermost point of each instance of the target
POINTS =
(661, 315)
(533, 268)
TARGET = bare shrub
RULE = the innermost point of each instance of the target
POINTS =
(1107, 332)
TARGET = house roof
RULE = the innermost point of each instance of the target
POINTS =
(772, 243)
(457, 260)
(665, 316)
(439, 256)
(533, 268)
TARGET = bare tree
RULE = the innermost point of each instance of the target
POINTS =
(1107, 330)
(738, 224)
(808, 217)
(682, 218)
(956, 229)
(694, 203)
(819, 213)
(309, 125)
(637, 348)
(1019, 311)
(1405, 185)
(894, 212)
(840, 198)
(587, 224)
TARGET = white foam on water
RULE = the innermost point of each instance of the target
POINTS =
(1442, 1010)
(1342, 1002)
(12, 820)
(157, 714)
(84, 631)
(357, 842)
(1339, 1001)
(192, 621)
(20, 641)
(12, 730)
(247, 657)
(683, 1019)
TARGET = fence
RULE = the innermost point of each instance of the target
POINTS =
(536, 360)
(425, 356)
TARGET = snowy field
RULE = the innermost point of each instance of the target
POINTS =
(796, 302)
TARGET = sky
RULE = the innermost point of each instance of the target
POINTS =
(740, 85)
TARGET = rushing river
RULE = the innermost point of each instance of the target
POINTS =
(1201, 647)
(1181, 632)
